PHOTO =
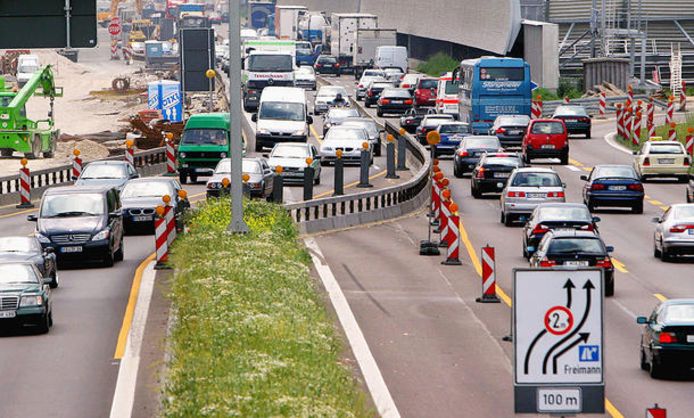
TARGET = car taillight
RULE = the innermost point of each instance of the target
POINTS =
(515, 194)
(385, 101)
(370, 93)
(598, 186)
(540, 229)
(547, 263)
(405, 86)
(501, 131)
(319, 65)
(480, 173)
(681, 228)
(605, 263)
(686, 161)
(462, 153)
(584, 119)
(588, 227)
(636, 187)
(408, 101)
(337, 65)
(667, 338)
(361, 86)
(417, 93)
(555, 194)
(646, 161)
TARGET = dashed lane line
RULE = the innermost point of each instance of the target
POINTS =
(660, 297)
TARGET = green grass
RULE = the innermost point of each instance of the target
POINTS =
(661, 131)
(253, 337)
(437, 64)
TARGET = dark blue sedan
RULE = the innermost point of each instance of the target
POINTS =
(613, 186)
(667, 342)
(451, 134)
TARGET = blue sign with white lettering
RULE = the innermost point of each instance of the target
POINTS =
(165, 96)
(587, 353)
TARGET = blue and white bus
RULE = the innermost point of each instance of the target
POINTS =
(491, 86)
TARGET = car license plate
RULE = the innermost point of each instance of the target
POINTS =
(571, 120)
(396, 101)
(502, 175)
(514, 132)
(690, 338)
(8, 314)
(548, 146)
(71, 249)
(666, 160)
(576, 263)
(617, 187)
(690, 231)
(142, 218)
(536, 195)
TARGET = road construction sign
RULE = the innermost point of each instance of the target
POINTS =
(558, 340)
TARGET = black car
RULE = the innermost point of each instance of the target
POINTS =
(25, 298)
(492, 172)
(394, 100)
(510, 129)
(470, 151)
(81, 223)
(552, 216)
(413, 117)
(576, 119)
(373, 92)
(29, 250)
(573, 248)
(667, 341)
(141, 197)
(327, 64)
(615, 186)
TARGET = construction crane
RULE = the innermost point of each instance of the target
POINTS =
(17, 131)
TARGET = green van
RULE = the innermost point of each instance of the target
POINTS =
(205, 141)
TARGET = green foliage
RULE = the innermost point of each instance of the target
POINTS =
(437, 64)
(547, 95)
(252, 337)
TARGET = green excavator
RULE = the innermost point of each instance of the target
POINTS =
(17, 131)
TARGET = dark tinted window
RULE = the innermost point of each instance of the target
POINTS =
(507, 161)
(327, 60)
(573, 245)
(428, 84)
(502, 74)
(529, 179)
(666, 149)
(615, 172)
(455, 129)
(399, 93)
(204, 137)
(548, 128)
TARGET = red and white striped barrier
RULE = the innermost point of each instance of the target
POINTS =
(670, 110)
(620, 130)
(636, 138)
(114, 48)
(435, 200)
(161, 238)
(537, 113)
(630, 96)
(628, 123)
(170, 157)
(650, 110)
(76, 164)
(170, 218)
(444, 214)
(488, 276)
(602, 104)
(683, 97)
(453, 237)
(656, 412)
(24, 186)
(130, 152)
(567, 100)
(689, 142)
(672, 133)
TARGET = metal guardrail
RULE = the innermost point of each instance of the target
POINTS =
(591, 104)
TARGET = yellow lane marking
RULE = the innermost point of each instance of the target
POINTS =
(130, 308)
(576, 163)
(612, 410)
(350, 185)
(9, 215)
(315, 133)
(619, 265)
(656, 202)
(660, 297)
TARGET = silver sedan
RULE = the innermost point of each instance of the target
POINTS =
(260, 177)
(526, 189)
(674, 232)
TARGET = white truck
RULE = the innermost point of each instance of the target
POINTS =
(343, 33)
(27, 65)
(366, 42)
(287, 21)
(266, 63)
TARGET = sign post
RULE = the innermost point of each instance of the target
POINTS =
(558, 341)
(114, 29)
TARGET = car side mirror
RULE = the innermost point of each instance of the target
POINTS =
(46, 281)
(655, 220)
(32, 218)
(309, 120)
(610, 249)
(596, 219)
(641, 320)
(135, 176)
(254, 117)
(49, 250)
(635, 152)
(584, 177)
(266, 155)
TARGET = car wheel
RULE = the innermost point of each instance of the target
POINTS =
(664, 253)
(457, 171)
(565, 158)
(638, 208)
(379, 113)
(643, 178)
(657, 371)
(475, 192)
(54, 280)
(118, 256)
(108, 259)
(644, 363)
(258, 147)
(588, 135)
(182, 177)
(316, 181)
(689, 198)
(683, 179)
(656, 251)
(45, 324)
(377, 149)
(508, 220)
(193, 178)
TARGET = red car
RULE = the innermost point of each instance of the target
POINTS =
(425, 93)
(546, 138)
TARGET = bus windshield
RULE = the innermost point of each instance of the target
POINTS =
(502, 74)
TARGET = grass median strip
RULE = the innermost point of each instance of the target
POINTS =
(253, 337)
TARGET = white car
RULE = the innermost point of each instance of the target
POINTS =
(410, 81)
(367, 77)
(27, 65)
(348, 139)
(292, 157)
(305, 78)
(527, 188)
(326, 96)
(674, 232)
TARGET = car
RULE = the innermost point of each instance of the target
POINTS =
(81, 223)
(662, 159)
(371, 128)
(204, 142)
(555, 216)
(666, 344)
(326, 96)
(674, 232)
(527, 188)
(260, 177)
(140, 198)
(492, 172)
(373, 91)
(451, 133)
(394, 75)
(571, 248)
(613, 185)
(282, 117)
(410, 81)
(576, 119)
(336, 116)
(26, 298)
(689, 193)
(470, 150)
(305, 77)
(327, 64)
(29, 250)
(429, 123)
(107, 173)
(425, 92)
(393, 101)
(546, 138)
(348, 139)
(292, 158)
(367, 77)
(413, 117)
(510, 129)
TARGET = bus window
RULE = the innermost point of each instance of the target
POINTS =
(502, 74)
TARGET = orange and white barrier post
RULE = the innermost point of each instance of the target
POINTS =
(453, 237)
(650, 110)
(620, 130)
(656, 412)
(538, 106)
(672, 133)
(628, 123)
(170, 218)
(670, 110)
(488, 276)
(130, 152)
(114, 48)
(630, 95)
(689, 142)
(567, 100)
(602, 104)
(161, 238)
(444, 214)
(683, 97)
(636, 137)
(170, 156)
(25, 186)
(76, 164)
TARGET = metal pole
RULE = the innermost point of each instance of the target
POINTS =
(593, 27)
(402, 153)
(237, 224)
(68, 8)
(339, 181)
(390, 159)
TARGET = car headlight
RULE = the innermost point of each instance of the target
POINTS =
(263, 131)
(223, 155)
(101, 235)
(182, 155)
(299, 132)
(42, 238)
(213, 186)
(35, 300)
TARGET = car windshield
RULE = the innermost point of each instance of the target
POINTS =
(455, 129)
(282, 111)
(303, 51)
(370, 127)
(247, 166)
(548, 128)
(563, 213)
(481, 143)
(666, 149)
(536, 179)
(104, 171)
(204, 137)
(571, 111)
(304, 70)
(615, 172)
(396, 93)
(146, 189)
(509, 161)
(427, 84)
(345, 134)
(73, 204)
(289, 152)
(373, 73)
(17, 273)
(18, 245)
(514, 120)
(268, 63)
(450, 87)
(576, 245)
(684, 212)
(337, 114)
(682, 313)
(437, 119)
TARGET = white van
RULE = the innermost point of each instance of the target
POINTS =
(447, 96)
(282, 117)
(392, 56)
(27, 65)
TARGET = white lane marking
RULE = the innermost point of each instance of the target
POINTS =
(372, 375)
(124, 395)
(573, 168)
(624, 308)
(610, 139)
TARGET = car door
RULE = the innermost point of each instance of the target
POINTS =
(660, 225)
(268, 178)
(649, 333)
(115, 222)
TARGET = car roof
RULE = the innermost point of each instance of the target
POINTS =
(77, 189)
(208, 120)
(574, 233)
(283, 94)
(663, 142)
(108, 162)
(454, 122)
(535, 169)
(292, 144)
(481, 137)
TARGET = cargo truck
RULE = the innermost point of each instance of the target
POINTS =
(287, 21)
(343, 33)
(266, 63)
(366, 43)
(259, 11)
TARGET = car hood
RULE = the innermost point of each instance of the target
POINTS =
(17, 257)
(101, 182)
(287, 162)
(13, 289)
(83, 224)
(142, 202)
(281, 125)
(342, 143)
